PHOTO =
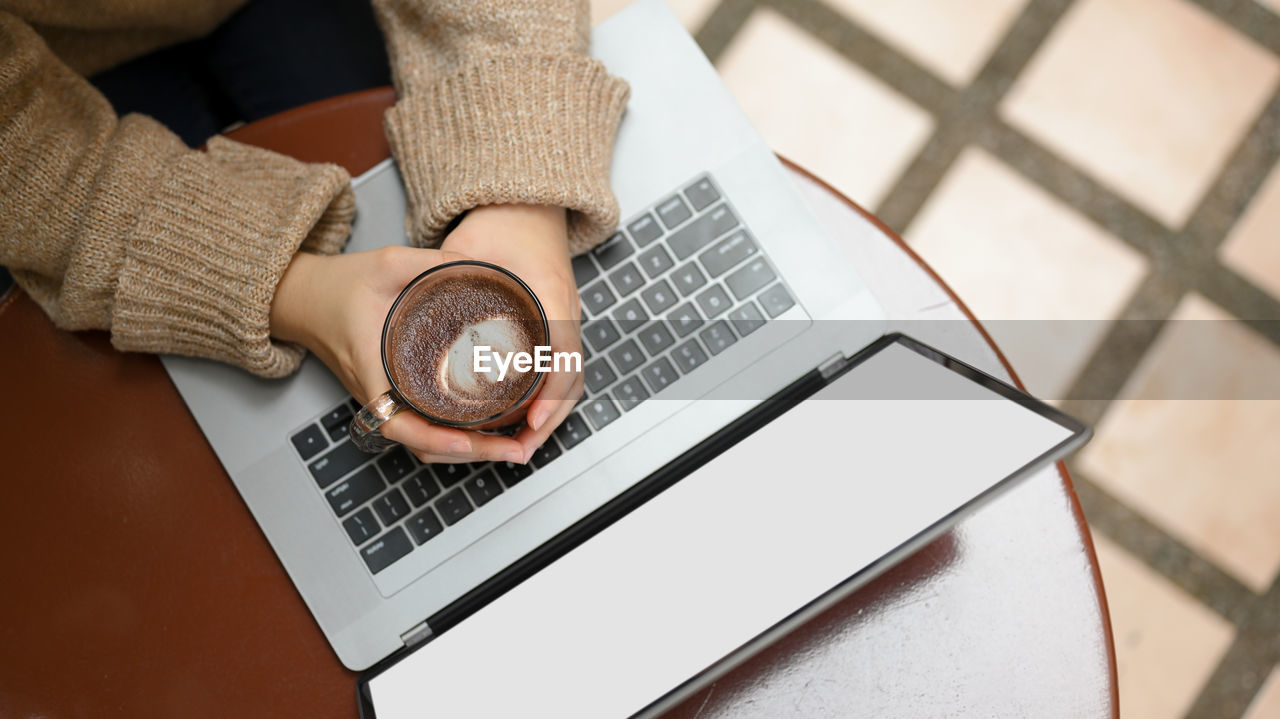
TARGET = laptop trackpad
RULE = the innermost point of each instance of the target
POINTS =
(778, 520)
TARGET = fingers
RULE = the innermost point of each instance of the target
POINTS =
(434, 443)
(395, 266)
(554, 403)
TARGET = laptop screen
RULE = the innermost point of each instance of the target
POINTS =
(871, 466)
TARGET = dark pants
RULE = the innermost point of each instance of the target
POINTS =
(269, 56)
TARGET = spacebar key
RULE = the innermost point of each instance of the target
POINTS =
(386, 549)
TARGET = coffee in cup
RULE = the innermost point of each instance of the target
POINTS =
(436, 330)
(438, 326)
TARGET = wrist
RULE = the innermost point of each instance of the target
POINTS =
(292, 303)
(496, 226)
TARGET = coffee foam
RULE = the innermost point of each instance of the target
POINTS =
(457, 368)
(436, 328)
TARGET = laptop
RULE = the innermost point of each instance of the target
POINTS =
(716, 307)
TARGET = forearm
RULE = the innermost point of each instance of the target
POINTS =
(116, 225)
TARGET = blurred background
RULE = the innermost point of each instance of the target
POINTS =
(1099, 178)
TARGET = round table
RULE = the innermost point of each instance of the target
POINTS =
(138, 584)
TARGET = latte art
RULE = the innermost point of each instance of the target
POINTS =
(435, 331)
(457, 368)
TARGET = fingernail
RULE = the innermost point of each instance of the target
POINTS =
(516, 455)
(536, 418)
(460, 446)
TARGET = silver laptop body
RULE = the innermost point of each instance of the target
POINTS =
(683, 142)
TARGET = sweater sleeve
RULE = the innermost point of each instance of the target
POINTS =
(115, 224)
(499, 103)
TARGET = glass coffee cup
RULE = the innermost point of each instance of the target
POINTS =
(437, 327)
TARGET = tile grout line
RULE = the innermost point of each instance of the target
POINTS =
(1246, 664)
(1253, 654)
(1166, 555)
(957, 112)
(1248, 18)
(722, 26)
(1126, 342)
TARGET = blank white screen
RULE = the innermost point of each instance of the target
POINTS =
(777, 520)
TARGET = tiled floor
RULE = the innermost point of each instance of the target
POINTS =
(1167, 643)
(880, 130)
(1046, 321)
(1101, 177)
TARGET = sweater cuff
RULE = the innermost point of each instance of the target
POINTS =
(531, 129)
(202, 264)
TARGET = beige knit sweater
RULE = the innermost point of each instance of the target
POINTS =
(112, 223)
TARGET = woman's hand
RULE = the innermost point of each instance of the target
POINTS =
(532, 242)
(335, 307)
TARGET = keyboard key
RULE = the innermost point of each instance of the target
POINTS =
(355, 491)
(511, 473)
(337, 422)
(361, 526)
(614, 250)
(659, 374)
(713, 301)
(749, 278)
(629, 393)
(644, 230)
(450, 474)
(626, 357)
(655, 337)
(598, 375)
(601, 334)
(544, 455)
(454, 506)
(424, 525)
(597, 297)
(658, 297)
(309, 442)
(717, 337)
(727, 253)
(386, 549)
(482, 488)
(391, 507)
(340, 460)
(684, 319)
(421, 488)
(626, 279)
(572, 431)
(746, 319)
(630, 315)
(673, 211)
(776, 300)
(688, 356)
(584, 270)
(688, 279)
(655, 261)
(396, 465)
(600, 412)
(699, 233)
(701, 194)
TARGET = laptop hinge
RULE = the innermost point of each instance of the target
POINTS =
(833, 364)
(417, 635)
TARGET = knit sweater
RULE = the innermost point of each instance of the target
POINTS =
(112, 223)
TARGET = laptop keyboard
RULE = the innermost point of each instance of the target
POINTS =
(681, 283)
